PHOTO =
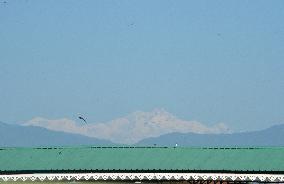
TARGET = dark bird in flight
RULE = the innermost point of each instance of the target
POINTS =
(132, 24)
(80, 117)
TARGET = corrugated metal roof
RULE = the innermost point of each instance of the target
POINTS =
(142, 159)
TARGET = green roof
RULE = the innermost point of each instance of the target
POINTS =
(138, 159)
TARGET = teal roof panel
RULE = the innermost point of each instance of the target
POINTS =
(142, 159)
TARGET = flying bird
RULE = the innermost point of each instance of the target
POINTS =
(80, 117)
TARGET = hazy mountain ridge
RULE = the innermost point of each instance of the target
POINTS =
(131, 128)
(21, 136)
(273, 136)
(29, 136)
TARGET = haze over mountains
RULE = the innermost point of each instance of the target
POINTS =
(21, 136)
(273, 136)
(29, 136)
(131, 128)
(15, 135)
(139, 128)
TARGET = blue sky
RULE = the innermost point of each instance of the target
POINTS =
(211, 61)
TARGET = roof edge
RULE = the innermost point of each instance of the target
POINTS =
(144, 176)
(82, 171)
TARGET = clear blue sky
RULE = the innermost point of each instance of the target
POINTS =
(211, 61)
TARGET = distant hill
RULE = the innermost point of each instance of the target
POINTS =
(29, 136)
(131, 128)
(273, 136)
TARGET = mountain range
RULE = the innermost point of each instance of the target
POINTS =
(23, 136)
(30, 136)
(130, 128)
(273, 136)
